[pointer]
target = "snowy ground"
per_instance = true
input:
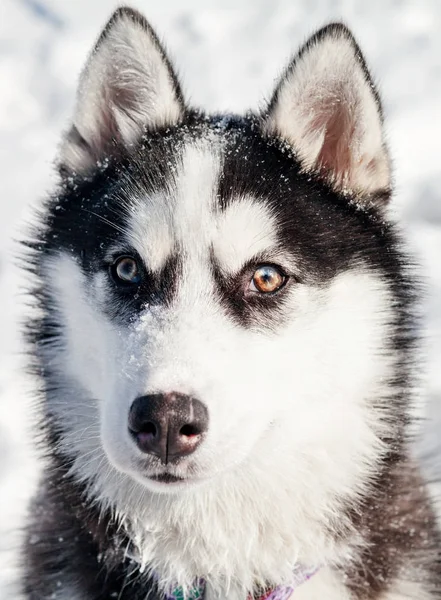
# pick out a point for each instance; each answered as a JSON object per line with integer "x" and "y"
{"x": 228, "y": 54}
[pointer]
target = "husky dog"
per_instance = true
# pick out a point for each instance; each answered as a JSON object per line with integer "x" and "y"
{"x": 226, "y": 343}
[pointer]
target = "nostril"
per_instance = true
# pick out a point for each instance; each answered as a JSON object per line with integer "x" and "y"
{"x": 149, "y": 428}
{"x": 189, "y": 430}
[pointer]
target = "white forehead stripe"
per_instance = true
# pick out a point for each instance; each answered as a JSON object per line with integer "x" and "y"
{"x": 245, "y": 229}
{"x": 150, "y": 230}
{"x": 197, "y": 183}
{"x": 181, "y": 216}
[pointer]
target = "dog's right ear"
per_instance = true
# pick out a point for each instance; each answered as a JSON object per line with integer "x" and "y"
{"x": 327, "y": 108}
{"x": 127, "y": 86}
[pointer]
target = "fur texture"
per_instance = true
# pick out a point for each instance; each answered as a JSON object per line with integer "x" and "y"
{"x": 309, "y": 389}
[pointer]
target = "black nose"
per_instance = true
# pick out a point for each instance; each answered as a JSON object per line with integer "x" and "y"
{"x": 169, "y": 426}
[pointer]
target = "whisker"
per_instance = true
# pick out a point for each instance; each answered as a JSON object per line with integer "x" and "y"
{"x": 105, "y": 220}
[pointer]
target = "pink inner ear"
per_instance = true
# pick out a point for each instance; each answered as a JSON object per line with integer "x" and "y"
{"x": 339, "y": 145}
{"x": 101, "y": 139}
{"x": 107, "y": 134}
{"x": 327, "y": 108}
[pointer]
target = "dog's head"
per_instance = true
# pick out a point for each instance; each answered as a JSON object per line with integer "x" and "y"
{"x": 222, "y": 294}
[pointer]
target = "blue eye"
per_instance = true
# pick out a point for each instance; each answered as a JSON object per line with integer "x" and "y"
{"x": 125, "y": 271}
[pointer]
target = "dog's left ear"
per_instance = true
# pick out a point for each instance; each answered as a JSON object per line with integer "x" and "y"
{"x": 327, "y": 108}
{"x": 127, "y": 87}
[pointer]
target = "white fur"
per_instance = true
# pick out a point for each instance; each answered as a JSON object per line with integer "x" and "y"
{"x": 125, "y": 87}
{"x": 293, "y": 427}
{"x": 326, "y": 96}
{"x": 244, "y": 230}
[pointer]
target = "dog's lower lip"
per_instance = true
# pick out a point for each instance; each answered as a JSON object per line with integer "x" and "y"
{"x": 167, "y": 478}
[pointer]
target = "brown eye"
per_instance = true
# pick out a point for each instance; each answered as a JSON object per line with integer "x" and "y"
{"x": 125, "y": 270}
{"x": 267, "y": 279}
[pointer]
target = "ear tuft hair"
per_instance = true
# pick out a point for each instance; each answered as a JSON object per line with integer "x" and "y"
{"x": 127, "y": 86}
{"x": 327, "y": 108}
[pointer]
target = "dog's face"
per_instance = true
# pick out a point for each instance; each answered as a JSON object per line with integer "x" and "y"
{"x": 219, "y": 286}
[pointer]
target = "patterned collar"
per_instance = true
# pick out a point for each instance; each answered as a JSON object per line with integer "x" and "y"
{"x": 278, "y": 593}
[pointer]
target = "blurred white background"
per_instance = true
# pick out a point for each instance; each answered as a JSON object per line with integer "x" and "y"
{"x": 228, "y": 55}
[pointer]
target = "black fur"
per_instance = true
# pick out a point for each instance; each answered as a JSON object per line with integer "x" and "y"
{"x": 71, "y": 541}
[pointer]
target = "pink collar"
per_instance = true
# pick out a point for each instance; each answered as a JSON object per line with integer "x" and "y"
{"x": 281, "y": 592}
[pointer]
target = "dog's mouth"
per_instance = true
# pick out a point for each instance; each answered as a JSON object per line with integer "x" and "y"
{"x": 163, "y": 476}
{"x": 167, "y": 478}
